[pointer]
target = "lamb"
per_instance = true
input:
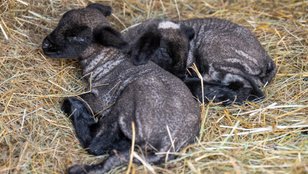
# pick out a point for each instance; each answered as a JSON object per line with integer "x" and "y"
{"x": 165, "y": 115}
{"x": 229, "y": 57}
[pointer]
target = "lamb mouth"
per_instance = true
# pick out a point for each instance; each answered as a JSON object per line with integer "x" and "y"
{"x": 47, "y": 52}
{"x": 52, "y": 54}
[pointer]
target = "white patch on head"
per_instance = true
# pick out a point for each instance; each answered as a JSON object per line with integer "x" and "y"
{"x": 168, "y": 24}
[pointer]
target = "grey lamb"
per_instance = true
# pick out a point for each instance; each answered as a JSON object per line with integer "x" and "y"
{"x": 165, "y": 115}
{"x": 229, "y": 57}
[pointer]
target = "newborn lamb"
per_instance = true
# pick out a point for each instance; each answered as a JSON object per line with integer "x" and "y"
{"x": 229, "y": 57}
{"x": 165, "y": 115}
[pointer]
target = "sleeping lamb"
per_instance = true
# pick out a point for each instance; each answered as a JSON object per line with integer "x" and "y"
{"x": 165, "y": 115}
{"x": 229, "y": 57}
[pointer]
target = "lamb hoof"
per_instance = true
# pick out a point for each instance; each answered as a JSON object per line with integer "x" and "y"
{"x": 67, "y": 106}
{"x": 72, "y": 104}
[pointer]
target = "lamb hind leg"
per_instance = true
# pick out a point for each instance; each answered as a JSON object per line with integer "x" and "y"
{"x": 103, "y": 167}
{"x": 235, "y": 92}
{"x": 82, "y": 119}
{"x": 212, "y": 91}
{"x": 119, "y": 159}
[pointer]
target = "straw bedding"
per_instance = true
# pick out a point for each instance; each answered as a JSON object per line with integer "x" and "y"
{"x": 263, "y": 137}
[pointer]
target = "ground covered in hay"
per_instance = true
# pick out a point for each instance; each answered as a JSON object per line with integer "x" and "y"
{"x": 264, "y": 137}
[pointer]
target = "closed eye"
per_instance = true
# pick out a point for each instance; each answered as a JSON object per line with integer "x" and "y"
{"x": 76, "y": 39}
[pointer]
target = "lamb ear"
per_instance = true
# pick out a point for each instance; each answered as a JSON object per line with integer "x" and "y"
{"x": 142, "y": 50}
{"x": 189, "y": 31}
{"x": 109, "y": 37}
{"x": 106, "y": 10}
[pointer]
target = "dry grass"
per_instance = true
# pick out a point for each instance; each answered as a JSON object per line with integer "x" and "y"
{"x": 264, "y": 137}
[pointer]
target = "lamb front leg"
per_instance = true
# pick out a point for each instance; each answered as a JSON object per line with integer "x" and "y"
{"x": 98, "y": 137}
{"x": 82, "y": 119}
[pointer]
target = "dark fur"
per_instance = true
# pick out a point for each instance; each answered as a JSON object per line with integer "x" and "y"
{"x": 215, "y": 42}
{"x": 147, "y": 95}
{"x": 170, "y": 46}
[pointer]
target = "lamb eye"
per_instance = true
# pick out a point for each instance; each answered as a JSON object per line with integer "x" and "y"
{"x": 76, "y": 39}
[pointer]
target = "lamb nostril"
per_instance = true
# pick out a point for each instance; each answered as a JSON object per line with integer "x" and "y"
{"x": 45, "y": 45}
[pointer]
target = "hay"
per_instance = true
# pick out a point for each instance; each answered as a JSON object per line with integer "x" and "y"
{"x": 263, "y": 137}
